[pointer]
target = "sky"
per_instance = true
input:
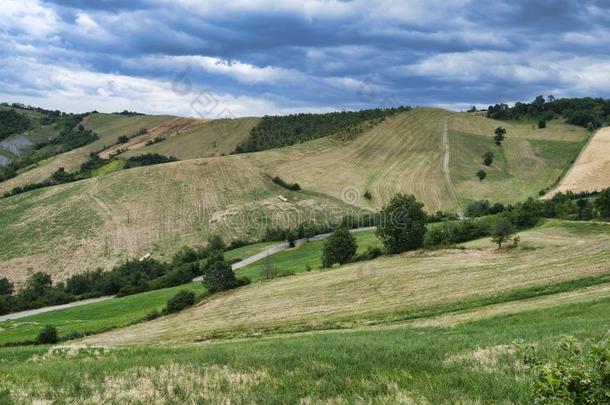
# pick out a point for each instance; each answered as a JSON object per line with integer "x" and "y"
{"x": 232, "y": 58}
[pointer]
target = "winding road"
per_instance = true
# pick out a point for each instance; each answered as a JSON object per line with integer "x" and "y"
{"x": 243, "y": 263}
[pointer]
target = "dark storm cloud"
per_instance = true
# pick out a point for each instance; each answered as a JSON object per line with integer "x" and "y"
{"x": 310, "y": 54}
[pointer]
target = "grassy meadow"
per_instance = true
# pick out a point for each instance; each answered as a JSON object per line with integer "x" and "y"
{"x": 473, "y": 362}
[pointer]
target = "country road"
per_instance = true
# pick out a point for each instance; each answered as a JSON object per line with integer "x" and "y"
{"x": 243, "y": 263}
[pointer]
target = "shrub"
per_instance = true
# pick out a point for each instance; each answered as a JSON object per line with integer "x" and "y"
{"x": 122, "y": 139}
{"x": 287, "y": 186}
{"x": 148, "y": 159}
{"x": 602, "y": 204}
{"x": 340, "y": 247}
{"x": 578, "y": 374}
{"x": 218, "y": 275}
{"x": 541, "y": 124}
{"x": 403, "y": 224}
{"x": 183, "y": 299}
{"x": 371, "y": 253}
{"x": 367, "y": 195}
{"x": 488, "y": 158}
{"x": 481, "y": 174}
{"x": 477, "y": 208}
{"x": 450, "y": 233}
{"x": 47, "y": 335}
{"x": 6, "y": 287}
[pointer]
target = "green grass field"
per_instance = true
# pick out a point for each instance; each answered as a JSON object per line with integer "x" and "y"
{"x": 469, "y": 363}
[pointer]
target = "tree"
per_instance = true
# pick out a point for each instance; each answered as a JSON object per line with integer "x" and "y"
{"x": 47, "y": 335}
{"x": 218, "y": 274}
{"x": 477, "y": 208}
{"x": 499, "y": 135}
{"x": 502, "y": 231}
{"x": 340, "y": 247}
{"x": 6, "y": 287}
{"x": 122, "y": 139}
{"x": 488, "y": 158}
{"x": 481, "y": 174}
{"x": 216, "y": 244}
{"x": 291, "y": 237}
{"x": 542, "y": 124}
{"x": 602, "y": 204}
{"x": 403, "y": 224}
{"x": 183, "y": 299}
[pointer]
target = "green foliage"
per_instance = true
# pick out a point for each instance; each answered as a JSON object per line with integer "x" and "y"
{"x": 6, "y": 287}
{"x": 287, "y": 186}
{"x": 148, "y": 160}
{"x": 367, "y": 194}
{"x": 403, "y": 224}
{"x": 340, "y": 247}
{"x": 585, "y": 112}
{"x": 541, "y": 124}
{"x": 277, "y": 131}
{"x": 218, "y": 275}
{"x": 602, "y": 204}
{"x": 481, "y": 174}
{"x": 47, "y": 335}
{"x": 12, "y": 122}
{"x": 452, "y": 232}
{"x": 502, "y": 231}
{"x": 499, "y": 135}
{"x": 183, "y": 299}
{"x": 488, "y": 158}
{"x": 579, "y": 373}
{"x": 122, "y": 139}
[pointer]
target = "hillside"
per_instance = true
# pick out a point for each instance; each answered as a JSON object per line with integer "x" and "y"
{"x": 393, "y": 288}
{"x": 431, "y": 153}
{"x": 98, "y": 222}
{"x": 591, "y": 171}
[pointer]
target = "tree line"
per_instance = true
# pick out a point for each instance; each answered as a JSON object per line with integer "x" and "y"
{"x": 588, "y": 112}
{"x": 277, "y": 131}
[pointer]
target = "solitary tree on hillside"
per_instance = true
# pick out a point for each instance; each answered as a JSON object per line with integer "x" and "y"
{"x": 403, "y": 224}
{"x": 340, "y": 247}
{"x": 502, "y": 231}
{"x": 481, "y": 174}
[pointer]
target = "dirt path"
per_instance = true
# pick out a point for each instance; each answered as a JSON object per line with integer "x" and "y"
{"x": 445, "y": 167}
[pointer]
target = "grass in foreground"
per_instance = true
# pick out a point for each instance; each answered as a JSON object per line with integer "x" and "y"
{"x": 469, "y": 363}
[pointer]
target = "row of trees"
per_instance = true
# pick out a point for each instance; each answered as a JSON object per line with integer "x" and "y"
{"x": 131, "y": 277}
{"x": 277, "y": 131}
{"x": 568, "y": 206}
{"x": 585, "y": 112}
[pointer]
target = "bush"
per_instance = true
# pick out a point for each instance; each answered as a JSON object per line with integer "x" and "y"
{"x": 287, "y": 186}
{"x": 183, "y": 299}
{"x": 602, "y": 204}
{"x": 371, "y": 253}
{"x": 367, "y": 195}
{"x": 152, "y": 315}
{"x": 403, "y": 224}
{"x": 488, "y": 158}
{"x": 541, "y": 124}
{"x": 122, "y": 139}
{"x": 578, "y": 374}
{"x": 47, "y": 335}
{"x": 218, "y": 275}
{"x": 451, "y": 233}
{"x": 340, "y": 247}
{"x": 481, "y": 174}
{"x": 148, "y": 159}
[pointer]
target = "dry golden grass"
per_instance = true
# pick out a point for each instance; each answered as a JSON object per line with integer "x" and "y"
{"x": 100, "y": 221}
{"x": 591, "y": 172}
{"x": 165, "y": 130}
{"x": 362, "y": 292}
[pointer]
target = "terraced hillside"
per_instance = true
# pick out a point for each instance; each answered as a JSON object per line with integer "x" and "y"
{"x": 392, "y": 288}
{"x": 97, "y": 222}
{"x": 107, "y": 126}
{"x": 433, "y": 154}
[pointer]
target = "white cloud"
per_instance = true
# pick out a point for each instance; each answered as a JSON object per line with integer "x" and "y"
{"x": 29, "y": 18}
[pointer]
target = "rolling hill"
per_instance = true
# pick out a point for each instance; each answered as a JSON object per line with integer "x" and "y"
{"x": 431, "y": 153}
{"x": 395, "y": 288}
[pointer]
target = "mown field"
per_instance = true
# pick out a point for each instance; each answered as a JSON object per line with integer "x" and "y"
{"x": 552, "y": 259}
{"x": 473, "y": 362}
{"x": 121, "y": 214}
{"x": 156, "y": 209}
